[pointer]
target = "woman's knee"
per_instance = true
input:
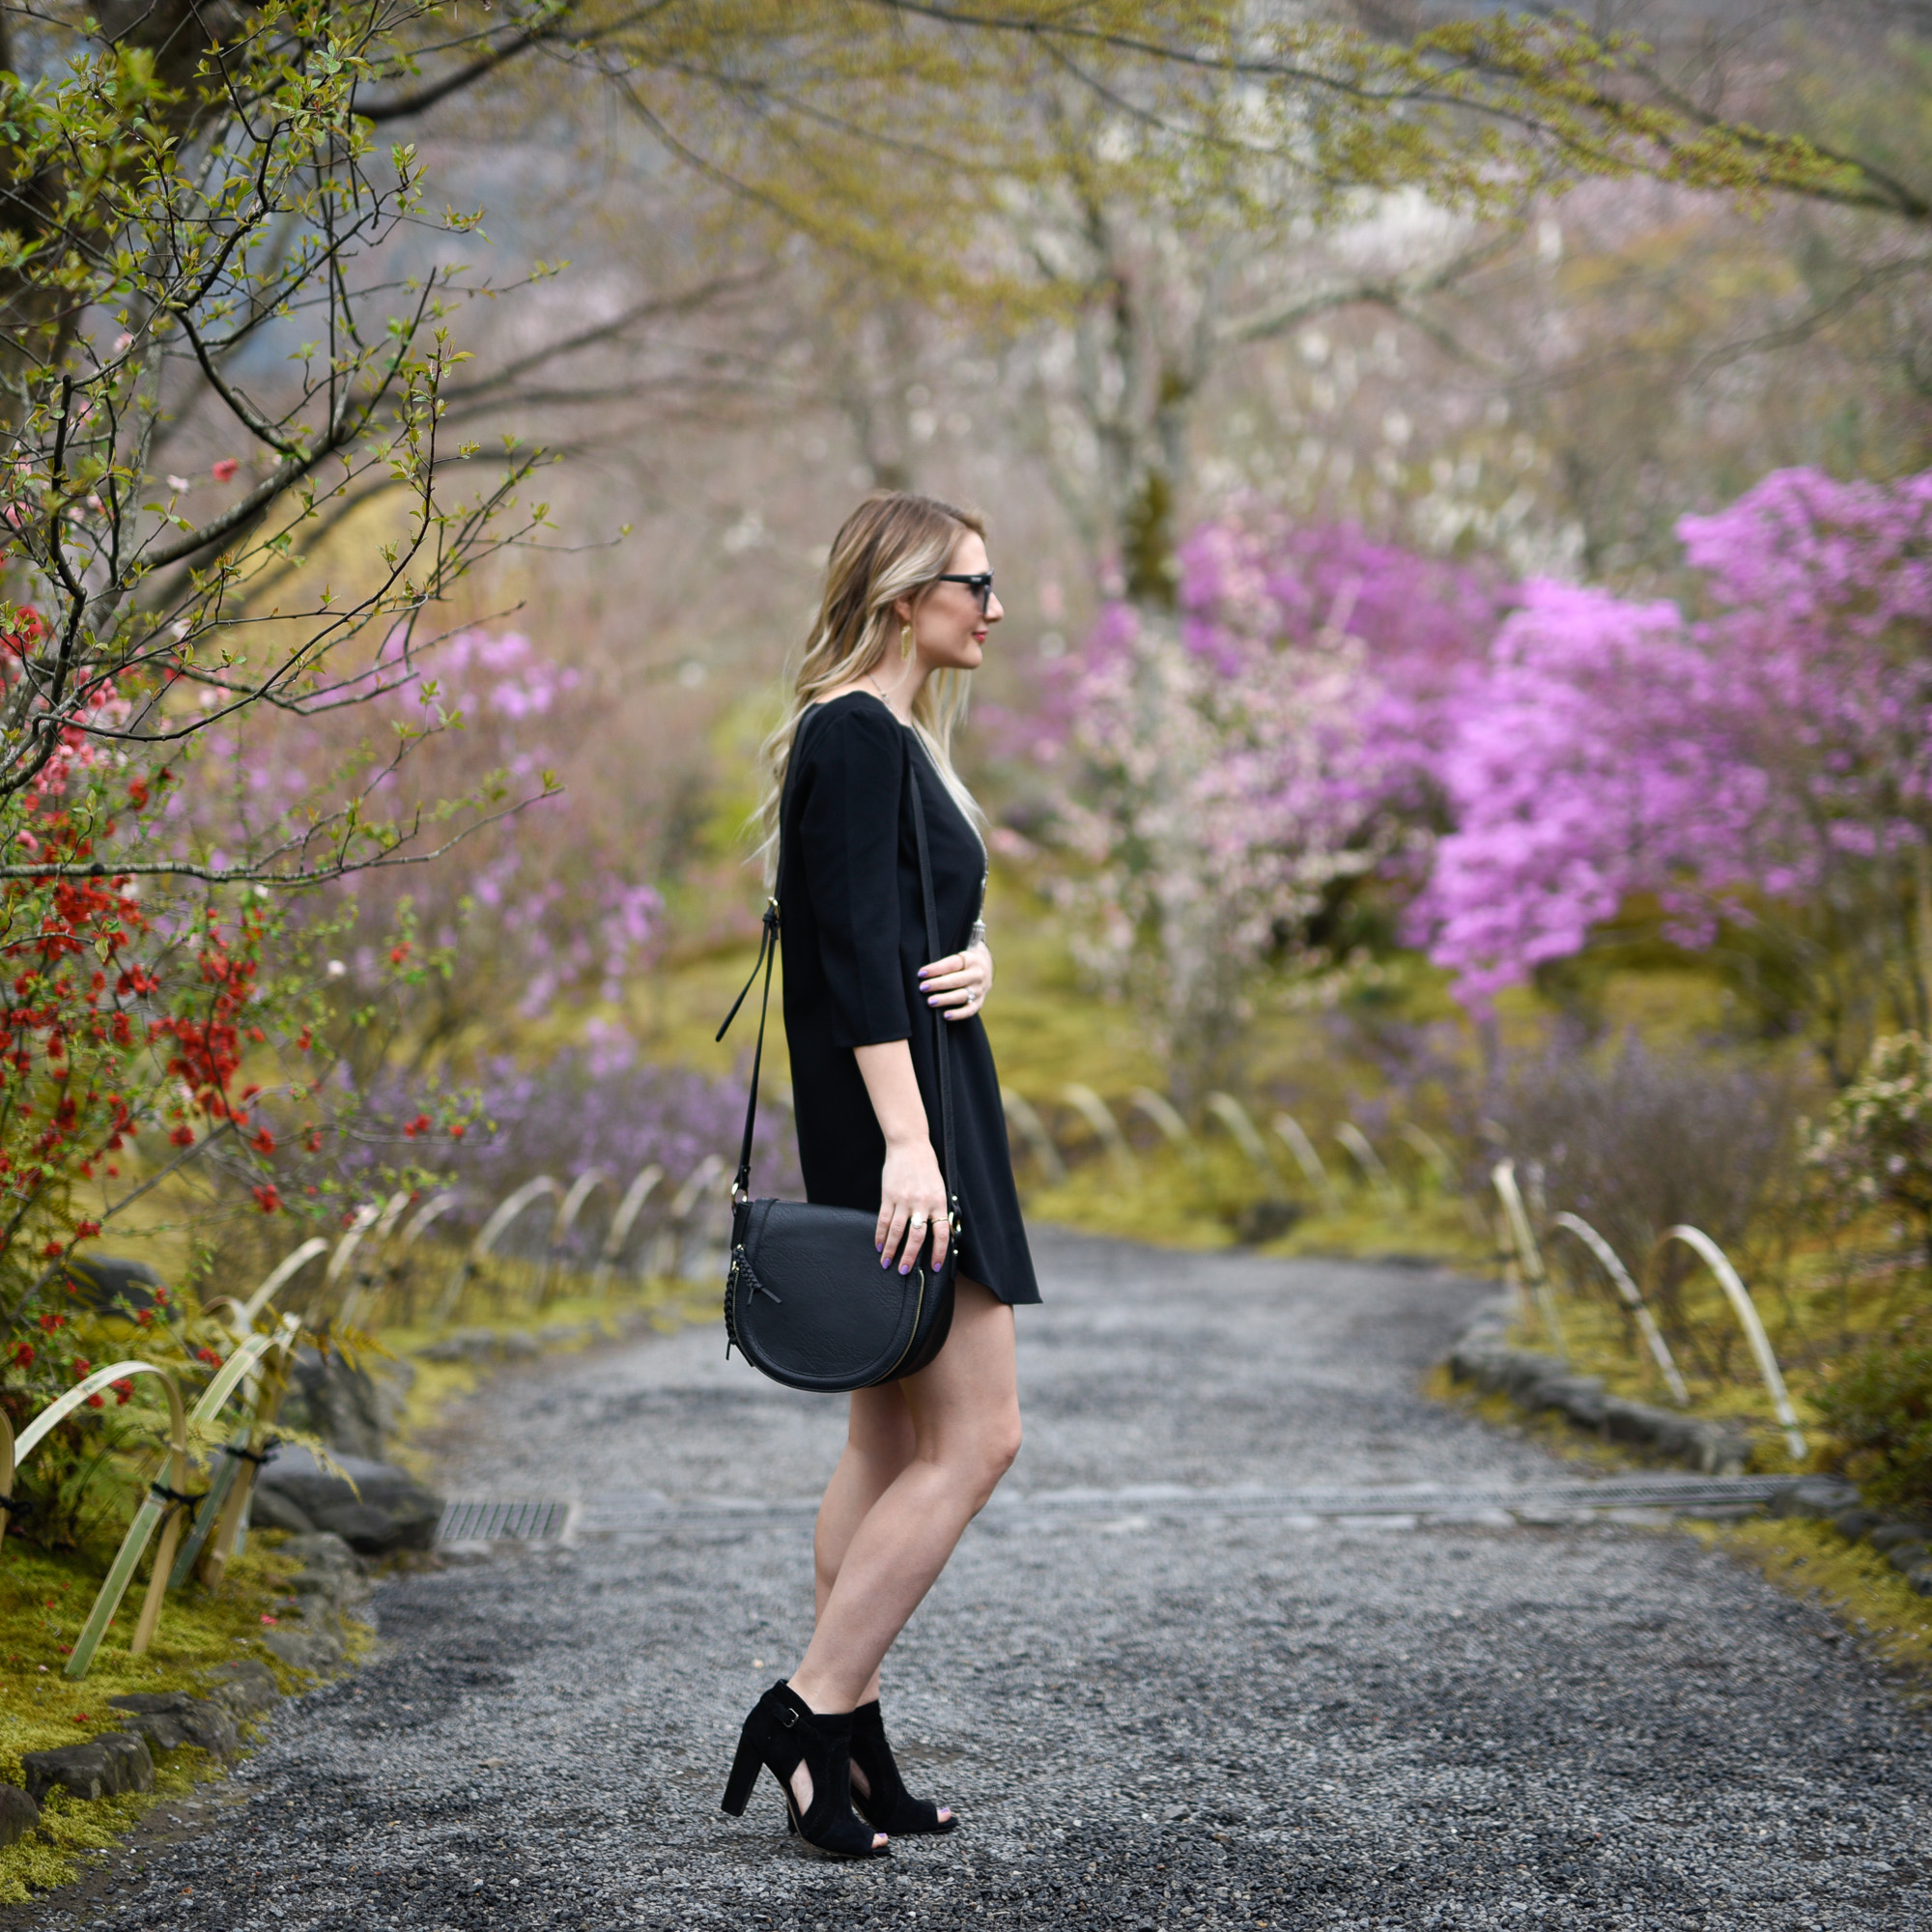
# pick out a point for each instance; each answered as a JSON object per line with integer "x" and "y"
{"x": 989, "y": 1454}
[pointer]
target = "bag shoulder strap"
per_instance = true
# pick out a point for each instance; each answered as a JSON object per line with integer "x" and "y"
{"x": 768, "y": 949}
{"x": 941, "y": 1045}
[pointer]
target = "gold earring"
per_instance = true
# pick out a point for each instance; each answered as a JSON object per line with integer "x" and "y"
{"x": 905, "y": 643}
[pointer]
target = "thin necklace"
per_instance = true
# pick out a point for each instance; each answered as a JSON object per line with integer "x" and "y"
{"x": 883, "y": 699}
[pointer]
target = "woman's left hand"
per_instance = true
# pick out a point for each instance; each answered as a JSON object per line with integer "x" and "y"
{"x": 958, "y": 985}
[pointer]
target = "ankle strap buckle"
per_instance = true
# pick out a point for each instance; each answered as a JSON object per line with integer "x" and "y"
{"x": 787, "y": 1716}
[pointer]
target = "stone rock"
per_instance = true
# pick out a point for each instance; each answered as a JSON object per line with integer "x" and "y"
{"x": 1856, "y": 1523}
{"x": 170, "y": 1720}
{"x": 1920, "y": 1576}
{"x": 1895, "y": 1535}
{"x": 246, "y": 1687}
{"x": 323, "y": 1549}
{"x": 19, "y": 1815}
{"x": 319, "y": 1650}
{"x": 271, "y": 1509}
{"x": 376, "y": 1508}
{"x": 106, "y": 1765}
{"x": 112, "y": 1286}
{"x": 1259, "y": 1222}
{"x": 352, "y": 1408}
{"x": 1815, "y": 1497}
{"x": 519, "y": 1347}
{"x": 1905, "y": 1557}
{"x": 465, "y": 1344}
{"x": 134, "y": 1763}
{"x": 1536, "y": 1382}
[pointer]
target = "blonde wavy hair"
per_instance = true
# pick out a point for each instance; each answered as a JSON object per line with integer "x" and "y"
{"x": 894, "y": 545}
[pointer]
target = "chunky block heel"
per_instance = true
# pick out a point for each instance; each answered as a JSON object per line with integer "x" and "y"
{"x": 745, "y": 1769}
{"x": 886, "y": 1805}
{"x": 782, "y": 1732}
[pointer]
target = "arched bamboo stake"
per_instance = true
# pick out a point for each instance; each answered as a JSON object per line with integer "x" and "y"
{"x": 1428, "y": 1150}
{"x": 1633, "y": 1299}
{"x": 1528, "y": 1255}
{"x": 400, "y": 1269}
{"x": 1233, "y": 1116}
{"x": 153, "y": 1509}
{"x": 1022, "y": 1113}
{"x": 285, "y": 1271}
{"x": 225, "y": 1473}
{"x": 1091, "y": 1109}
{"x": 1746, "y": 1310}
{"x": 428, "y": 1214}
{"x": 683, "y": 1205}
{"x": 582, "y": 1189}
{"x": 618, "y": 1232}
{"x": 1313, "y": 1168}
{"x": 1173, "y": 1129}
{"x": 271, "y": 1386}
{"x": 492, "y": 1230}
{"x": 376, "y": 1228}
{"x": 1370, "y": 1162}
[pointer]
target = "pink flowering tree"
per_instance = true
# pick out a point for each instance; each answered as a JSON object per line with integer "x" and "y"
{"x": 1224, "y": 782}
{"x": 1761, "y": 765}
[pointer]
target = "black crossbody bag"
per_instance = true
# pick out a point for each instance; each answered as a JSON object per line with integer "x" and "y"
{"x": 806, "y": 1300}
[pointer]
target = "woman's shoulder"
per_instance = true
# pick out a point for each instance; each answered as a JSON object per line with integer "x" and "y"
{"x": 854, "y": 717}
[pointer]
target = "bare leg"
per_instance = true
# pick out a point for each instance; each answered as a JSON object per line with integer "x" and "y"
{"x": 879, "y": 1444}
{"x": 964, "y": 1412}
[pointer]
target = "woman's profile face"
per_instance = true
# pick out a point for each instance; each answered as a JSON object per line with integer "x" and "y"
{"x": 948, "y": 625}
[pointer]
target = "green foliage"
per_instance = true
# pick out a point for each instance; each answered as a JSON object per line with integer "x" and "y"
{"x": 1879, "y": 1409}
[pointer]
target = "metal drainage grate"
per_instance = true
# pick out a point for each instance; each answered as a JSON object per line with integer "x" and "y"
{"x": 478, "y": 1520}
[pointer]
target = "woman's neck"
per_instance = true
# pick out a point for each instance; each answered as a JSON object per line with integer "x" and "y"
{"x": 898, "y": 696}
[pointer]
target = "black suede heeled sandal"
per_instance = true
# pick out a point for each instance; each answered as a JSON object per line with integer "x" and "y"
{"x": 886, "y": 1802}
{"x": 782, "y": 1732}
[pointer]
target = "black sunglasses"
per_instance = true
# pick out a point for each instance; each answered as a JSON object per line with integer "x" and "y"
{"x": 980, "y": 583}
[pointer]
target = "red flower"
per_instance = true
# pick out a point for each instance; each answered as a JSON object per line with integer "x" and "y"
{"x": 398, "y": 953}
{"x": 96, "y": 1401}
{"x": 182, "y": 1136}
{"x": 224, "y": 471}
{"x": 267, "y": 1199}
{"x": 82, "y": 1367}
{"x": 208, "y": 1356}
{"x": 52, "y": 1251}
{"x": 23, "y": 1354}
{"x": 123, "y": 1389}
{"x": 83, "y": 1229}
{"x": 456, "y": 1132}
{"x": 263, "y": 1142}
{"x": 417, "y": 1127}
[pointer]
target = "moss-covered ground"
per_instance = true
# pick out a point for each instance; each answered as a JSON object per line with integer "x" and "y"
{"x": 43, "y": 1599}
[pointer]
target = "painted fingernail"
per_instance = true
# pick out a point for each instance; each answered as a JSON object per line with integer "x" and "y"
{"x": 905, "y": 1267}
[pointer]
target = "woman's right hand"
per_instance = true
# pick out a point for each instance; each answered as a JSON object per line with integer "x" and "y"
{"x": 912, "y": 1199}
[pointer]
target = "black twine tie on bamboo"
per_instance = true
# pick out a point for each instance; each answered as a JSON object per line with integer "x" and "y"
{"x": 179, "y": 1498}
{"x": 260, "y": 1457}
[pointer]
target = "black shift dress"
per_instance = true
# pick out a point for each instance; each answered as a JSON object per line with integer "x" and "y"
{"x": 853, "y": 933}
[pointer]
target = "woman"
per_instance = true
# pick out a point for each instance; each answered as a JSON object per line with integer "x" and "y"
{"x": 908, "y": 604}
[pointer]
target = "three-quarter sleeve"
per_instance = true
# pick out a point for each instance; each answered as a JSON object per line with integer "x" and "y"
{"x": 849, "y": 833}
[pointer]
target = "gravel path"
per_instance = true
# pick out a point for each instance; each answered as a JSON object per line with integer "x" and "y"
{"x": 1224, "y": 1721}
